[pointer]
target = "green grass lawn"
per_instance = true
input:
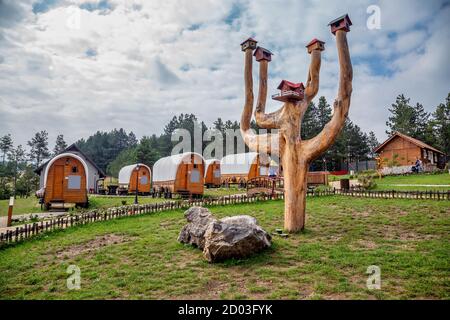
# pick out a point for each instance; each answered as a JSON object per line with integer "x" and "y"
{"x": 443, "y": 178}
{"x": 31, "y": 204}
{"x": 389, "y": 182}
{"x": 139, "y": 257}
{"x": 219, "y": 192}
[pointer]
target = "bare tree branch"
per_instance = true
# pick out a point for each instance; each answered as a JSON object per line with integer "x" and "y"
{"x": 317, "y": 145}
{"x": 263, "y": 120}
{"x": 312, "y": 84}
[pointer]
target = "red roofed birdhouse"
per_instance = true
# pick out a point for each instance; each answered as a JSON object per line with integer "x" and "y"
{"x": 289, "y": 91}
{"x": 341, "y": 23}
{"x": 315, "y": 44}
{"x": 249, "y": 44}
{"x": 263, "y": 54}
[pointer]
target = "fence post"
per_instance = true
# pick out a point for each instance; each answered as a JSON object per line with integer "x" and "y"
{"x": 10, "y": 211}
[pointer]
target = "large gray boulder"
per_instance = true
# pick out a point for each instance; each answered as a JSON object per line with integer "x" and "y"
{"x": 193, "y": 233}
{"x": 230, "y": 237}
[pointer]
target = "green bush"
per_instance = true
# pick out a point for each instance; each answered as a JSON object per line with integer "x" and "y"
{"x": 367, "y": 181}
{"x": 5, "y": 192}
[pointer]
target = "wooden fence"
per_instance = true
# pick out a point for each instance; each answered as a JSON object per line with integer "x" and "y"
{"x": 26, "y": 231}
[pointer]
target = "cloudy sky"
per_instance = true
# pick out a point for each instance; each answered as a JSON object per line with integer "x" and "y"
{"x": 76, "y": 66}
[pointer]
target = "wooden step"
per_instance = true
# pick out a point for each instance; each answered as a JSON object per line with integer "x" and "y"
{"x": 62, "y": 205}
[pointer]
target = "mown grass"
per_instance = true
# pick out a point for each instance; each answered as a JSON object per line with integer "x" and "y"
{"x": 31, "y": 204}
{"x": 389, "y": 182}
{"x": 407, "y": 239}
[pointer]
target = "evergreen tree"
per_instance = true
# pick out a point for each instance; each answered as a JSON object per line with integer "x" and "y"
{"x": 372, "y": 142}
{"x": 441, "y": 125}
{"x": 324, "y": 112}
{"x": 147, "y": 151}
{"x": 6, "y": 145}
{"x": 39, "y": 147}
{"x": 310, "y": 125}
{"x": 403, "y": 117}
{"x": 16, "y": 159}
{"x": 60, "y": 145}
{"x": 104, "y": 147}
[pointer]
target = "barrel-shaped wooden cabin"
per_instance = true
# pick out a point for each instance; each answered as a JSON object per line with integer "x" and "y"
{"x": 212, "y": 173}
{"x": 67, "y": 178}
{"x": 180, "y": 173}
{"x": 135, "y": 177}
{"x": 241, "y": 167}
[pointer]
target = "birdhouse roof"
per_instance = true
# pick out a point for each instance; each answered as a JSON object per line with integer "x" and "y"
{"x": 291, "y": 84}
{"x": 249, "y": 39}
{"x": 341, "y": 18}
{"x": 263, "y": 49}
{"x": 314, "y": 41}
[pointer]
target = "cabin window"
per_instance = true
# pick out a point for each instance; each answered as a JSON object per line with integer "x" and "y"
{"x": 144, "y": 180}
{"x": 74, "y": 182}
{"x": 74, "y": 169}
{"x": 216, "y": 173}
{"x": 195, "y": 176}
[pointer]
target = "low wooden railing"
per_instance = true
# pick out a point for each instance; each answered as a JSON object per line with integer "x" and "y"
{"x": 27, "y": 231}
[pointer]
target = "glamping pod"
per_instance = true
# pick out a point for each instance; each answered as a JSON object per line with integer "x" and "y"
{"x": 239, "y": 168}
{"x": 212, "y": 173}
{"x": 66, "y": 179}
{"x": 135, "y": 177}
{"x": 180, "y": 173}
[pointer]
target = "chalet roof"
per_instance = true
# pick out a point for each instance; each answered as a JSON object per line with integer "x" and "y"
{"x": 414, "y": 141}
{"x": 249, "y": 39}
{"x": 340, "y": 18}
{"x": 241, "y": 163}
{"x": 263, "y": 49}
{"x": 290, "y": 84}
{"x": 73, "y": 147}
{"x": 314, "y": 41}
{"x": 125, "y": 172}
{"x": 165, "y": 169}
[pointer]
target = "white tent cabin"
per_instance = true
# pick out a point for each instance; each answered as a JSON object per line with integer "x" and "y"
{"x": 212, "y": 173}
{"x": 241, "y": 167}
{"x": 135, "y": 176}
{"x": 180, "y": 173}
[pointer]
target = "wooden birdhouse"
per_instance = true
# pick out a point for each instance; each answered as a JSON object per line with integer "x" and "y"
{"x": 262, "y": 54}
{"x": 341, "y": 23}
{"x": 315, "y": 44}
{"x": 289, "y": 91}
{"x": 250, "y": 43}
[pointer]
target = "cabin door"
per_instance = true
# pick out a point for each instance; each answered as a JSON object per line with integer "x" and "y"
{"x": 193, "y": 173}
{"x": 58, "y": 182}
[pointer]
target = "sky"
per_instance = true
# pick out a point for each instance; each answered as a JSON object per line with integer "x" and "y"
{"x": 73, "y": 67}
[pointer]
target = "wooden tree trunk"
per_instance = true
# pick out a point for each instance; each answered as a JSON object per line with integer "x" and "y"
{"x": 295, "y": 172}
{"x": 296, "y": 154}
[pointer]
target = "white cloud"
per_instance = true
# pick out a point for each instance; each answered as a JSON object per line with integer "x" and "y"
{"x": 137, "y": 63}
